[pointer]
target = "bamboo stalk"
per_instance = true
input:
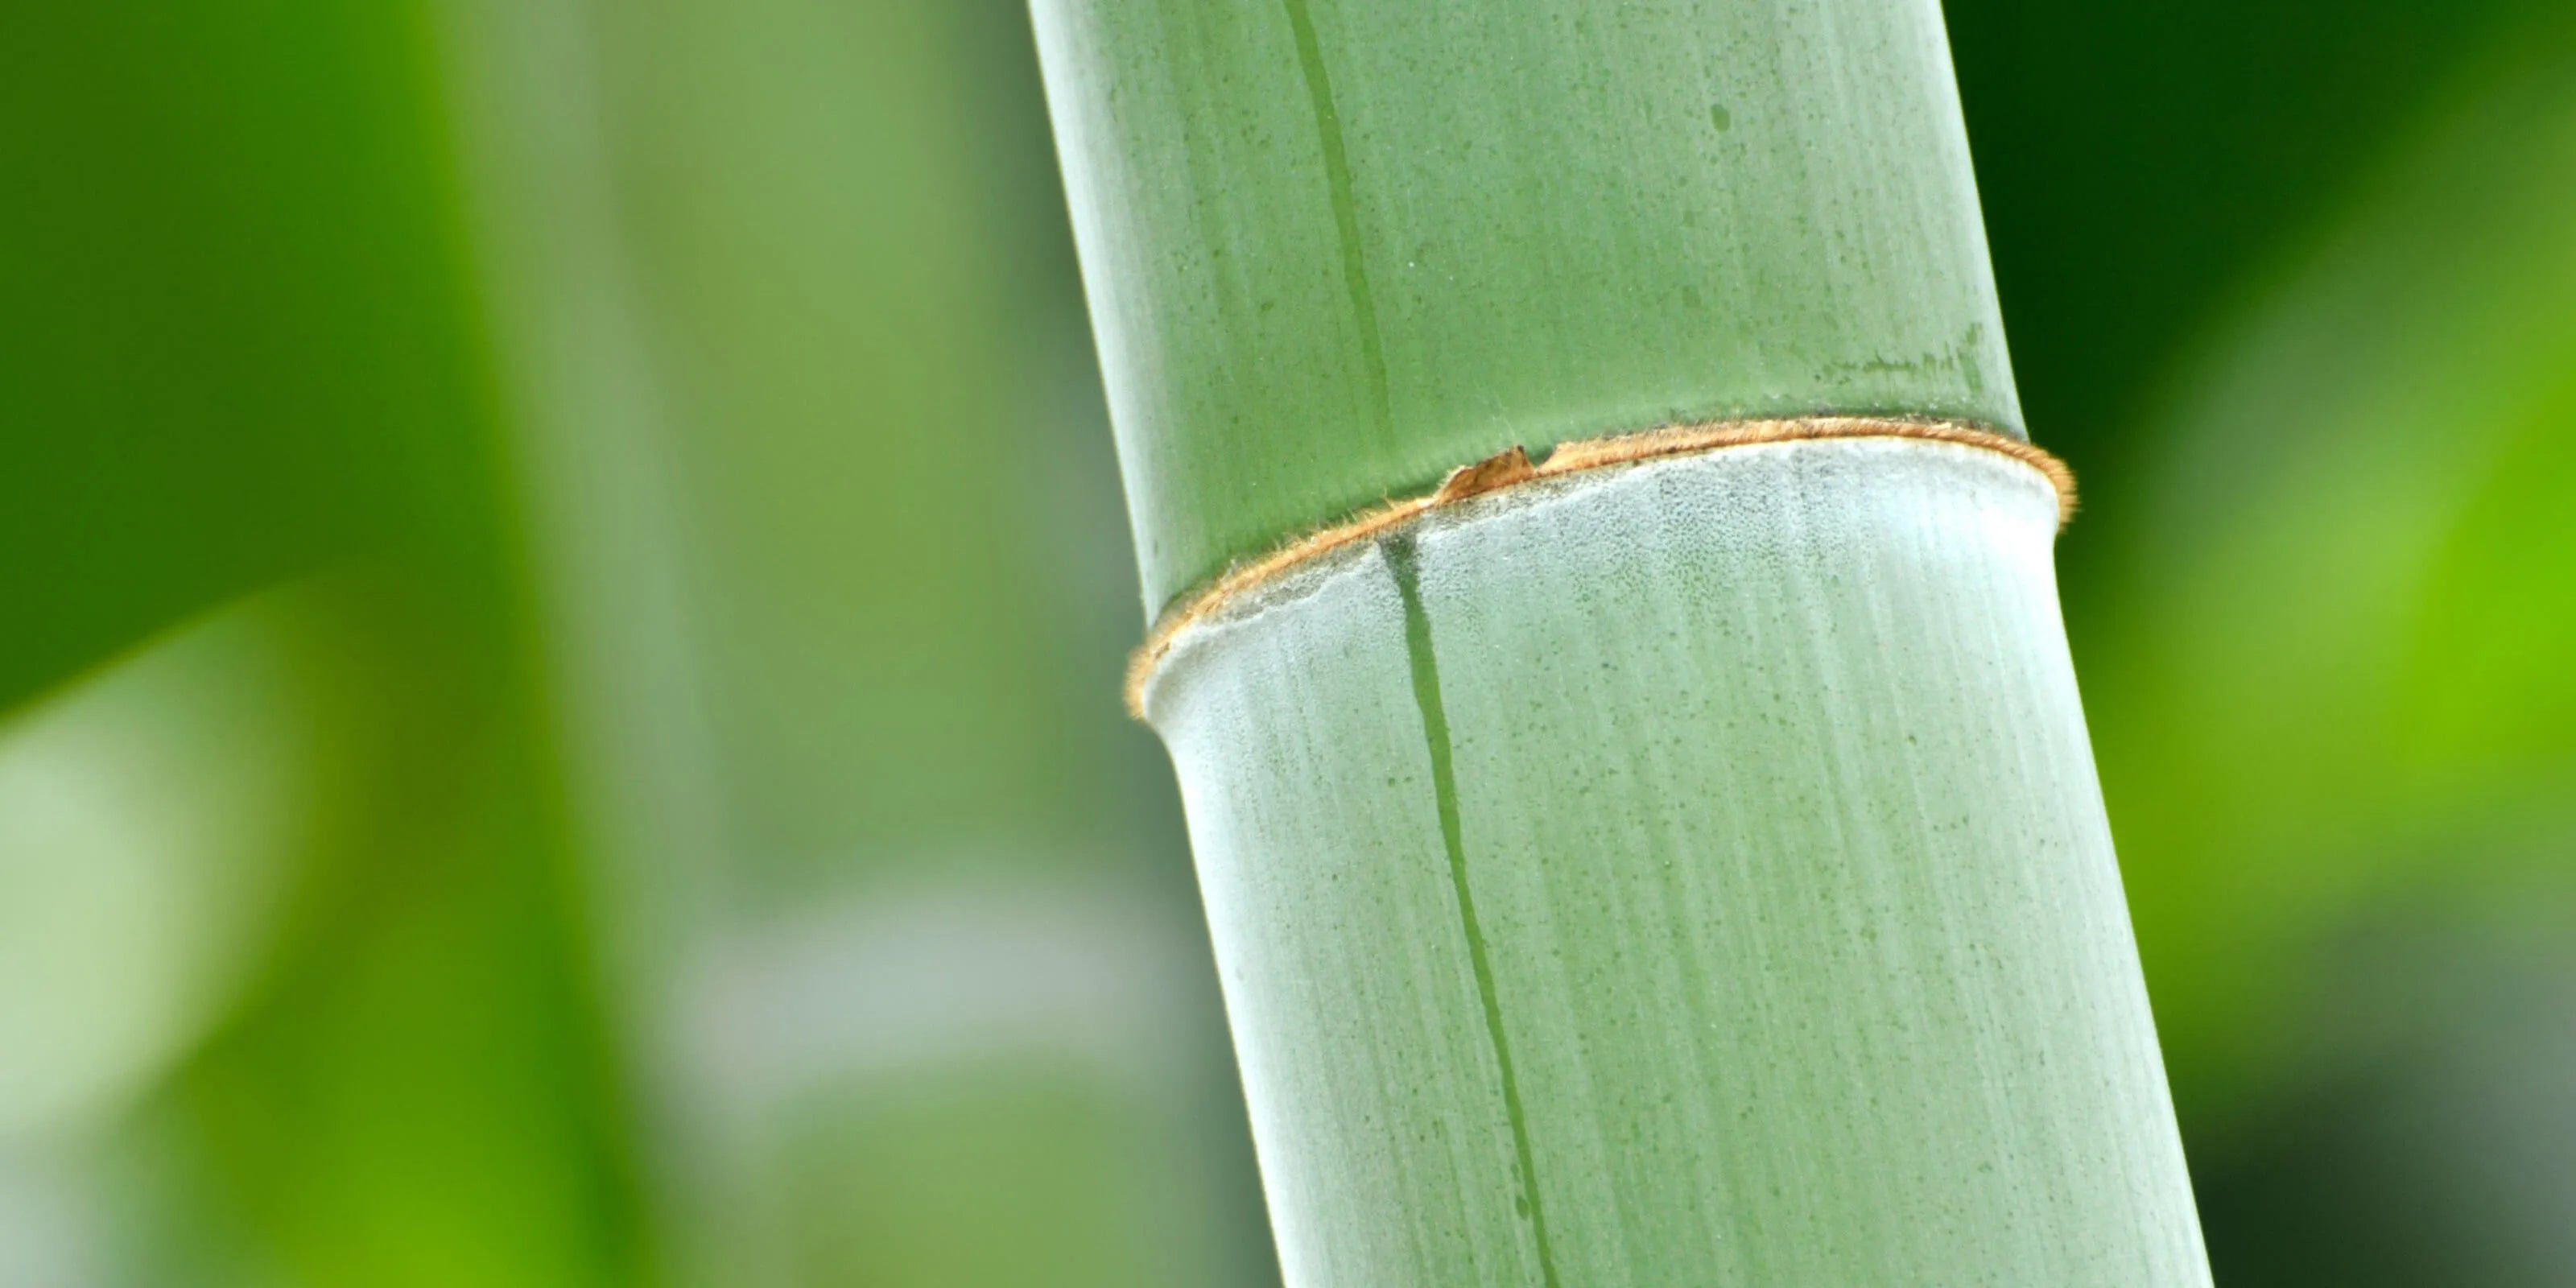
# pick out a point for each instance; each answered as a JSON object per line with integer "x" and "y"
{"x": 1686, "y": 870}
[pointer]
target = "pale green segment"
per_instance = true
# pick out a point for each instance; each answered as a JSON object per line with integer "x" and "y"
{"x": 1334, "y": 249}
{"x": 1775, "y": 808}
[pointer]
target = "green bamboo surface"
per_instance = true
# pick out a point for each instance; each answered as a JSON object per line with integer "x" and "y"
{"x": 1687, "y": 872}
{"x": 1334, "y": 250}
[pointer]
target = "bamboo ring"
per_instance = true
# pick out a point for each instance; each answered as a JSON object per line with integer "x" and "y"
{"x": 1512, "y": 467}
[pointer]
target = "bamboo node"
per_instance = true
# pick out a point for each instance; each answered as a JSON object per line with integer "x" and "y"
{"x": 1511, "y": 467}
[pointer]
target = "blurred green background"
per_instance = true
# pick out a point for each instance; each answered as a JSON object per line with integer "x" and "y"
{"x": 565, "y": 581}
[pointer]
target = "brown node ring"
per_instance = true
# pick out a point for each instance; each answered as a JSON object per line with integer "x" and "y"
{"x": 1512, "y": 467}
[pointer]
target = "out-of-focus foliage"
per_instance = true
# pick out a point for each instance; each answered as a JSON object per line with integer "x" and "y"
{"x": 236, "y": 339}
{"x": 2339, "y": 665}
{"x": 300, "y": 844}
{"x": 154, "y": 819}
{"x": 322, "y": 582}
{"x": 2336, "y": 717}
{"x": 2141, "y": 160}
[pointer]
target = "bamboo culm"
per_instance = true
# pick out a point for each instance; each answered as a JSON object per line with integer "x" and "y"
{"x": 1689, "y": 870}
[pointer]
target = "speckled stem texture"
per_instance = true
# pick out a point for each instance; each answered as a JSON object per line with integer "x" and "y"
{"x": 1690, "y": 872}
{"x": 1336, "y": 248}
{"x": 1684, "y": 871}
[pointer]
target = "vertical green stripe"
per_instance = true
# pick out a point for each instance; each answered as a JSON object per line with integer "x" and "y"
{"x": 1346, "y": 216}
{"x": 1444, "y": 786}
